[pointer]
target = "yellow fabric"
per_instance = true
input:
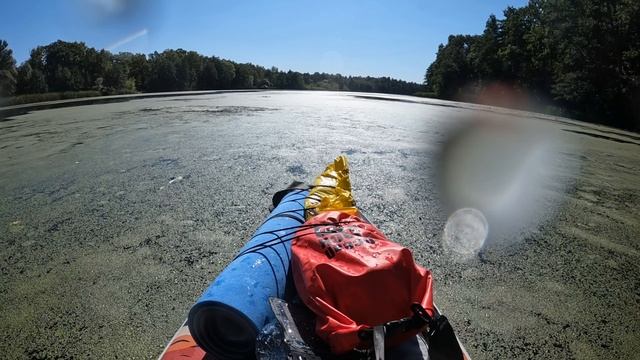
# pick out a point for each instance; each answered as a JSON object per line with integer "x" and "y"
{"x": 332, "y": 190}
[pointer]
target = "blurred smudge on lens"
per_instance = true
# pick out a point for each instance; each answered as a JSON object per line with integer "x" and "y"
{"x": 507, "y": 169}
{"x": 465, "y": 232}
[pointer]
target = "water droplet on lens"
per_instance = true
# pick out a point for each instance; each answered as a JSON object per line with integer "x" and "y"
{"x": 465, "y": 232}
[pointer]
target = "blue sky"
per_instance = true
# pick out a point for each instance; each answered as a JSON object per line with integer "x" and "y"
{"x": 390, "y": 38}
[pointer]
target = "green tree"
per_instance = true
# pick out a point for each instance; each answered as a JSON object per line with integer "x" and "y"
{"x": 163, "y": 73}
{"x": 65, "y": 66}
{"x": 116, "y": 76}
{"x": 38, "y": 58}
{"x": 188, "y": 66}
{"x": 294, "y": 80}
{"x": 30, "y": 81}
{"x": 597, "y": 70}
{"x": 226, "y": 73}
{"x": 244, "y": 76}
{"x": 8, "y": 72}
{"x": 483, "y": 56}
{"x": 72, "y": 66}
{"x": 138, "y": 67}
{"x": 453, "y": 69}
{"x": 208, "y": 78}
{"x": 582, "y": 55}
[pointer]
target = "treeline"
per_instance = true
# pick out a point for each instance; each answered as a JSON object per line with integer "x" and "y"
{"x": 579, "y": 55}
{"x": 72, "y": 67}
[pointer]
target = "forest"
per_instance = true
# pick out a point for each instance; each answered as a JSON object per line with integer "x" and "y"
{"x": 74, "y": 68}
{"x": 578, "y": 58}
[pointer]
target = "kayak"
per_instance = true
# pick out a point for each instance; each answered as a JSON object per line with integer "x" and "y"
{"x": 182, "y": 346}
{"x": 270, "y": 302}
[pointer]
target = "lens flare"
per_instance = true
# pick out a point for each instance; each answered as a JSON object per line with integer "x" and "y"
{"x": 510, "y": 170}
{"x": 465, "y": 232}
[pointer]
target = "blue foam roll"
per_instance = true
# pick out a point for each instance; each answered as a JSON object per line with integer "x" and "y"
{"x": 225, "y": 321}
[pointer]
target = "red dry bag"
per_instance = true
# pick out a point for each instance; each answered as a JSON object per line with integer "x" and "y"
{"x": 353, "y": 278}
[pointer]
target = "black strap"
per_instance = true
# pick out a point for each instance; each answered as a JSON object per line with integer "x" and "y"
{"x": 437, "y": 331}
{"x": 296, "y": 185}
{"x": 442, "y": 340}
{"x": 419, "y": 320}
{"x": 287, "y": 215}
{"x": 278, "y": 196}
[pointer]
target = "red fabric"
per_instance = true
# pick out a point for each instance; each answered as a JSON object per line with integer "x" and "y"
{"x": 352, "y": 277}
{"x": 184, "y": 347}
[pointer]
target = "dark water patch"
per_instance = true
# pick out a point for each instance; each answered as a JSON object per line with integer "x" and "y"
{"x": 214, "y": 110}
{"x": 10, "y": 114}
{"x": 3, "y": 119}
{"x": 7, "y": 114}
{"x": 576, "y": 157}
{"x": 297, "y": 170}
{"x": 405, "y": 154}
{"x": 352, "y": 151}
{"x": 382, "y": 152}
{"x": 600, "y": 136}
{"x": 56, "y": 225}
{"x": 228, "y": 110}
{"x": 57, "y": 193}
{"x": 10, "y": 128}
{"x": 370, "y": 97}
{"x": 631, "y": 136}
{"x": 68, "y": 148}
{"x": 39, "y": 134}
{"x": 183, "y": 99}
{"x": 165, "y": 162}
